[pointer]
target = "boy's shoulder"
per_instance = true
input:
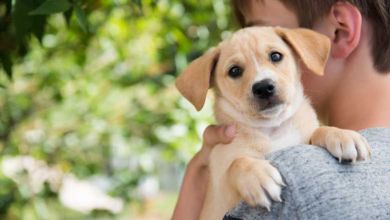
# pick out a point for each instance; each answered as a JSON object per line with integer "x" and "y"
{"x": 319, "y": 187}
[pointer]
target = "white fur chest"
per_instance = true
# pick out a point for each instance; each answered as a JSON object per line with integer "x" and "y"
{"x": 284, "y": 137}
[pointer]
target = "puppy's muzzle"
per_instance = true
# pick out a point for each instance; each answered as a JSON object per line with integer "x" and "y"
{"x": 265, "y": 94}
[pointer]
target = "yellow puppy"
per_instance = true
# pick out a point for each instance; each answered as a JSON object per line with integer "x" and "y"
{"x": 256, "y": 75}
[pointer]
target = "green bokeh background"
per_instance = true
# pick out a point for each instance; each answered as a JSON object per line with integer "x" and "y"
{"x": 92, "y": 93}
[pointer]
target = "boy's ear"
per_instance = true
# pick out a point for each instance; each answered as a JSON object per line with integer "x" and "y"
{"x": 195, "y": 80}
{"x": 346, "y": 23}
{"x": 311, "y": 47}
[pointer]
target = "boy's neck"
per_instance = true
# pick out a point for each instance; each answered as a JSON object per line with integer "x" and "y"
{"x": 362, "y": 98}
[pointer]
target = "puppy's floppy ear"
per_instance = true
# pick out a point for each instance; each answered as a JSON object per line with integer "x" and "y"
{"x": 312, "y": 48}
{"x": 195, "y": 80}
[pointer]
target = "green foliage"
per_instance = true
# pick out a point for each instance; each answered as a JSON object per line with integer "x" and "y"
{"x": 22, "y": 19}
{"x": 51, "y": 6}
{"x": 92, "y": 93}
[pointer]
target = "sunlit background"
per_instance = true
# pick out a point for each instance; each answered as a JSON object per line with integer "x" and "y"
{"x": 91, "y": 125}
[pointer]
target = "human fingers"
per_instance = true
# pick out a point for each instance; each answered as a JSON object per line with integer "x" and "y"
{"x": 218, "y": 134}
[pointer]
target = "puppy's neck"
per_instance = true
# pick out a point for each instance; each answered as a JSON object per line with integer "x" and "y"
{"x": 299, "y": 123}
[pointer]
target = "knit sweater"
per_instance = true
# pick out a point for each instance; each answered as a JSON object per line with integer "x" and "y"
{"x": 319, "y": 187}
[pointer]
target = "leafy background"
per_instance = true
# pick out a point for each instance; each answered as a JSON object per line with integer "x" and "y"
{"x": 87, "y": 88}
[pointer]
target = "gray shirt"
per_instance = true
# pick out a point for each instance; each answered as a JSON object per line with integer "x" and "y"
{"x": 319, "y": 187}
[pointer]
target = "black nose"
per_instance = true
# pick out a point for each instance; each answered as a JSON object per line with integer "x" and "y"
{"x": 264, "y": 89}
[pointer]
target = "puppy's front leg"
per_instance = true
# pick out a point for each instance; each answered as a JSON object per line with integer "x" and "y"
{"x": 255, "y": 180}
{"x": 341, "y": 143}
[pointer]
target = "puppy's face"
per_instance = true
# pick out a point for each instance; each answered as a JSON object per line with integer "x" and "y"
{"x": 256, "y": 74}
{"x": 256, "y": 77}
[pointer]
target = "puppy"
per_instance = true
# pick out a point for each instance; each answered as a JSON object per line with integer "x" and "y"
{"x": 255, "y": 75}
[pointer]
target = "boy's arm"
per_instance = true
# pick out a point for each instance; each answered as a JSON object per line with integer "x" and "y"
{"x": 193, "y": 190}
{"x": 194, "y": 186}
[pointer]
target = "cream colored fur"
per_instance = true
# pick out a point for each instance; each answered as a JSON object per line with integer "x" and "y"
{"x": 239, "y": 170}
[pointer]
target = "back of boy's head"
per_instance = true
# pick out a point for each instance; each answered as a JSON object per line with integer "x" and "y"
{"x": 377, "y": 12}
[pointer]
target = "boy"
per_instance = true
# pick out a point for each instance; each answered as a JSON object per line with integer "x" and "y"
{"x": 353, "y": 94}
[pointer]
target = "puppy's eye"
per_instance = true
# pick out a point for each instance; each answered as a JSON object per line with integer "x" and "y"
{"x": 235, "y": 71}
{"x": 275, "y": 57}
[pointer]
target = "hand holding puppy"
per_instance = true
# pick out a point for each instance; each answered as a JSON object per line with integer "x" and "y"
{"x": 194, "y": 186}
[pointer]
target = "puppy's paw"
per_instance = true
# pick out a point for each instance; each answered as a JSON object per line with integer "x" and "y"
{"x": 343, "y": 144}
{"x": 256, "y": 181}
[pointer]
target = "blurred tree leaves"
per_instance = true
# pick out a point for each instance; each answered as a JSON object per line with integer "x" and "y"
{"x": 6, "y": 63}
{"x": 25, "y": 18}
{"x": 51, "y": 6}
{"x": 93, "y": 90}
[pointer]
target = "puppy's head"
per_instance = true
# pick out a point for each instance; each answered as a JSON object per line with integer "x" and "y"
{"x": 256, "y": 72}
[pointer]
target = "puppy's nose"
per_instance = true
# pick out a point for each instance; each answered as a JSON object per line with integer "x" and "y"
{"x": 264, "y": 89}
